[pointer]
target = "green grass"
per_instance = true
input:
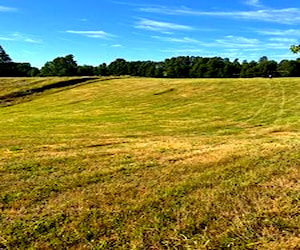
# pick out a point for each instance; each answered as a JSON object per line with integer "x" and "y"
{"x": 141, "y": 163}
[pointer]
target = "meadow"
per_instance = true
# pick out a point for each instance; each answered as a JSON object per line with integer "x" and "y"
{"x": 141, "y": 163}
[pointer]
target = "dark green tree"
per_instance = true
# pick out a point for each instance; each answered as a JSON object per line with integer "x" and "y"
{"x": 22, "y": 69}
{"x": 34, "y": 71}
{"x": 86, "y": 70}
{"x": 295, "y": 48}
{"x": 236, "y": 70}
{"x": 285, "y": 68}
{"x": 4, "y": 57}
{"x": 118, "y": 67}
{"x": 288, "y": 68}
{"x": 178, "y": 67}
{"x": 102, "y": 70}
{"x": 199, "y": 67}
{"x": 215, "y": 67}
{"x": 60, "y": 66}
{"x": 248, "y": 69}
{"x": 266, "y": 67}
{"x": 159, "y": 69}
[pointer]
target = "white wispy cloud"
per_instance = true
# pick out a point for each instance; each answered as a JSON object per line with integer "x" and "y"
{"x": 168, "y": 11}
{"x": 183, "y": 50}
{"x": 2, "y": 38}
{"x": 254, "y": 3}
{"x": 93, "y": 34}
{"x": 224, "y": 43}
{"x": 288, "y": 32}
{"x": 228, "y": 46}
{"x": 164, "y": 27}
{"x": 252, "y": 54}
{"x": 20, "y": 37}
{"x": 7, "y": 9}
{"x": 251, "y": 44}
{"x": 277, "y": 46}
{"x": 17, "y": 36}
{"x": 283, "y": 16}
{"x": 238, "y": 42}
{"x": 283, "y": 40}
{"x": 176, "y": 40}
{"x": 116, "y": 46}
{"x": 284, "y": 56}
{"x": 30, "y": 40}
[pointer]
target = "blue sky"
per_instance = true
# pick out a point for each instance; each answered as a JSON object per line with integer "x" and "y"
{"x": 97, "y": 31}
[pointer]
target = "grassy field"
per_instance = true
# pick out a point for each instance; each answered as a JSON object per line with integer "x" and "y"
{"x": 141, "y": 163}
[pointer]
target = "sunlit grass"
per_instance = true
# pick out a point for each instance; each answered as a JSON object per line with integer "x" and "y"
{"x": 143, "y": 163}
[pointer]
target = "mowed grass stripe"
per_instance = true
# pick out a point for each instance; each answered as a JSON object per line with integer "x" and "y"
{"x": 143, "y": 163}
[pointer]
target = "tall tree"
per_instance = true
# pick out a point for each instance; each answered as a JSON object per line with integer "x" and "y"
{"x": 4, "y": 58}
{"x": 119, "y": 67}
{"x": 215, "y": 67}
{"x": 288, "y": 68}
{"x": 266, "y": 67}
{"x": 60, "y": 66}
{"x": 199, "y": 67}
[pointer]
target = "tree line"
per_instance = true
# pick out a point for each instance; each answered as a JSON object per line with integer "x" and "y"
{"x": 176, "y": 67}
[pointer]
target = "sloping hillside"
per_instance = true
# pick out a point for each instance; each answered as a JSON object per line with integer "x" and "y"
{"x": 17, "y": 90}
{"x": 141, "y": 163}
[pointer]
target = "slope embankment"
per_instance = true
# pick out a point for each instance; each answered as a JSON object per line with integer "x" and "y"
{"x": 28, "y": 89}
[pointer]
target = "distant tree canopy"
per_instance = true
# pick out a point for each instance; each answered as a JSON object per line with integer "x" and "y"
{"x": 200, "y": 67}
{"x": 175, "y": 67}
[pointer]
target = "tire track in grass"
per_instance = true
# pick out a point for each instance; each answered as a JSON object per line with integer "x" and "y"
{"x": 281, "y": 105}
{"x": 263, "y": 106}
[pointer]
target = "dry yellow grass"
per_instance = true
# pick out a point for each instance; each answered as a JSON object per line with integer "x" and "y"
{"x": 153, "y": 164}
